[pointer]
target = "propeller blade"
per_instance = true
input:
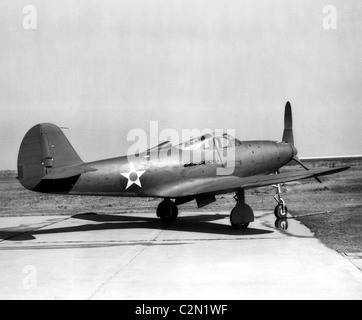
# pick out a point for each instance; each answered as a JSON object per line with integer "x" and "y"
{"x": 296, "y": 159}
{"x": 288, "y": 125}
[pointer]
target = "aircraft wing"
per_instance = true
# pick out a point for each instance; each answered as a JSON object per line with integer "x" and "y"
{"x": 267, "y": 180}
{"x": 225, "y": 184}
{"x": 67, "y": 172}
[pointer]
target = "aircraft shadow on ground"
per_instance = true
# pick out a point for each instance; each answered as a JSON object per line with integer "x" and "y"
{"x": 196, "y": 224}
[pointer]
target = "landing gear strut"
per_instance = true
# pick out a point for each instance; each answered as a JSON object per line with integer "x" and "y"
{"x": 167, "y": 211}
{"x": 281, "y": 210}
{"x": 242, "y": 214}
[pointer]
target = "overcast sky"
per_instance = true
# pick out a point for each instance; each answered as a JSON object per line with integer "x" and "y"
{"x": 104, "y": 68}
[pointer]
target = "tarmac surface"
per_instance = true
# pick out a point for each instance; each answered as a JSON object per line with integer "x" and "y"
{"x": 136, "y": 256}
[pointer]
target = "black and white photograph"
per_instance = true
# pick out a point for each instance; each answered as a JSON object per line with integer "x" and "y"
{"x": 181, "y": 155}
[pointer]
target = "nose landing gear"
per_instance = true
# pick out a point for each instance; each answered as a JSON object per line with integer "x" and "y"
{"x": 281, "y": 210}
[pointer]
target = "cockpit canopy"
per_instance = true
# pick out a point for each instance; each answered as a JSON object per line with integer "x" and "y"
{"x": 208, "y": 141}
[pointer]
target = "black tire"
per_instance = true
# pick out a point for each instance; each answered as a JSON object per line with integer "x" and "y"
{"x": 167, "y": 211}
{"x": 240, "y": 226}
{"x": 234, "y": 214}
{"x": 278, "y": 212}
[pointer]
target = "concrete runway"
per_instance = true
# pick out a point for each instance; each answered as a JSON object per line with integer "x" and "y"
{"x": 136, "y": 256}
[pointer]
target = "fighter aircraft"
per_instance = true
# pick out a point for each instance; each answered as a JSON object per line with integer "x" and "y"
{"x": 193, "y": 170}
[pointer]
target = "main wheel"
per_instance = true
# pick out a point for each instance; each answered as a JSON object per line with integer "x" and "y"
{"x": 167, "y": 211}
{"x": 240, "y": 215}
{"x": 240, "y": 226}
{"x": 280, "y": 212}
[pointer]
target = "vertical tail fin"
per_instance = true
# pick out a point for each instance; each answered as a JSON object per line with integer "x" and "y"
{"x": 44, "y": 147}
{"x": 288, "y": 125}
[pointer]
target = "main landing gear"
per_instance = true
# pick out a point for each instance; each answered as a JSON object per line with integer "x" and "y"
{"x": 242, "y": 214}
{"x": 281, "y": 210}
{"x": 167, "y": 211}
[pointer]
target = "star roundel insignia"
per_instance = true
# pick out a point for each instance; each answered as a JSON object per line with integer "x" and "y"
{"x": 133, "y": 176}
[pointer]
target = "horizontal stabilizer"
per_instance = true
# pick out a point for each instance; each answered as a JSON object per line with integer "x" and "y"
{"x": 68, "y": 172}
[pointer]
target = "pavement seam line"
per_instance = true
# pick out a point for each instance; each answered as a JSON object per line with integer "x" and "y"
{"x": 118, "y": 272}
{"x": 129, "y": 262}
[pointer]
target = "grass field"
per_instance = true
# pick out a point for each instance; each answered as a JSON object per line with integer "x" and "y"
{"x": 332, "y": 210}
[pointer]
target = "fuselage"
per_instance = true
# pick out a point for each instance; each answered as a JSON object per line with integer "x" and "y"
{"x": 165, "y": 171}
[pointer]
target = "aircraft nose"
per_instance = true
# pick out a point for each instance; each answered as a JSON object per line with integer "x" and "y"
{"x": 295, "y": 150}
{"x": 286, "y": 151}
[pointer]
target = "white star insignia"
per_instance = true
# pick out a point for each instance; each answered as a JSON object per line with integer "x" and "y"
{"x": 133, "y": 176}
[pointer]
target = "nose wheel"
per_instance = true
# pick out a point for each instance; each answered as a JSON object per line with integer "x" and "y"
{"x": 281, "y": 210}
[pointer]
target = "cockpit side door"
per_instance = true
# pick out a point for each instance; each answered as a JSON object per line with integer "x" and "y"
{"x": 198, "y": 157}
{"x": 225, "y": 150}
